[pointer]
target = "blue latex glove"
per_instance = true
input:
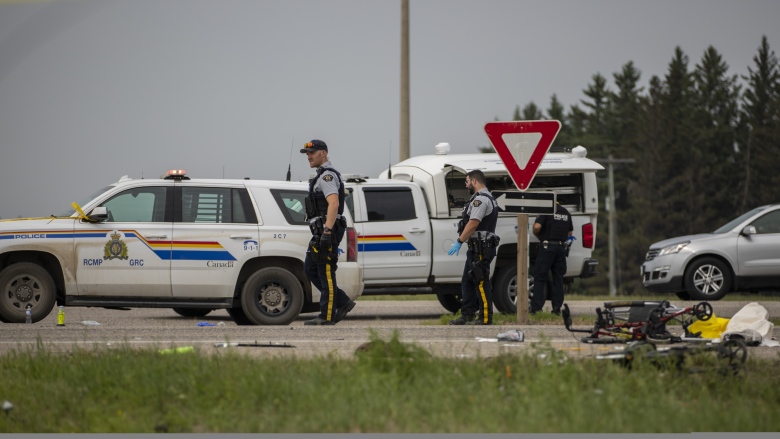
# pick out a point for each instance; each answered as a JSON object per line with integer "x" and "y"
{"x": 455, "y": 249}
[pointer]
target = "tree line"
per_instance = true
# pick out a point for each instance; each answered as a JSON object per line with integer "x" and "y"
{"x": 706, "y": 149}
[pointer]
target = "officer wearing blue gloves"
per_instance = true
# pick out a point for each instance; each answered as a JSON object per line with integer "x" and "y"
{"x": 477, "y": 227}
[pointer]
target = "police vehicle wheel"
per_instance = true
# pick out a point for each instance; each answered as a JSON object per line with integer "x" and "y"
{"x": 23, "y": 284}
{"x": 192, "y": 312}
{"x": 505, "y": 288}
{"x": 272, "y": 296}
{"x": 239, "y": 317}
{"x": 707, "y": 279}
{"x": 450, "y": 302}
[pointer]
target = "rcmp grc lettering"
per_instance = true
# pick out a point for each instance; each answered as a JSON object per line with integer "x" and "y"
{"x": 93, "y": 262}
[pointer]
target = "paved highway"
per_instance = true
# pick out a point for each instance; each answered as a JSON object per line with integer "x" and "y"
{"x": 415, "y": 321}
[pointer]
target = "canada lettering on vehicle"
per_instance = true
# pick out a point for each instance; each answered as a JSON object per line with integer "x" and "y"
{"x": 30, "y": 235}
{"x": 212, "y": 264}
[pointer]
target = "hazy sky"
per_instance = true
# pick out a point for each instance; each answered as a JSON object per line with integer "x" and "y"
{"x": 91, "y": 90}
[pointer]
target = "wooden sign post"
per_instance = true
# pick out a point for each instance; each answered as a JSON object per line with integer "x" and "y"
{"x": 522, "y": 269}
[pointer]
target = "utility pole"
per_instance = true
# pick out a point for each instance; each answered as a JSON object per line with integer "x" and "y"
{"x": 612, "y": 219}
{"x": 403, "y": 145}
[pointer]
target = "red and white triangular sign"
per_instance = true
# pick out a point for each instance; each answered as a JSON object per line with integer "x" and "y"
{"x": 521, "y": 145}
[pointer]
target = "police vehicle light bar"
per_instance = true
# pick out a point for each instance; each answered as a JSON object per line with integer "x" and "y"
{"x": 176, "y": 174}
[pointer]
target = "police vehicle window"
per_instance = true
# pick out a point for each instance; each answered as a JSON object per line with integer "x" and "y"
{"x": 243, "y": 211}
{"x": 349, "y": 201}
{"x": 457, "y": 194}
{"x": 568, "y": 189}
{"x": 137, "y": 205}
{"x": 389, "y": 203}
{"x": 206, "y": 205}
{"x": 292, "y": 204}
{"x": 769, "y": 223}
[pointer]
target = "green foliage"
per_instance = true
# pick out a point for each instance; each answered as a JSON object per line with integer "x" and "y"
{"x": 388, "y": 387}
{"x": 705, "y": 151}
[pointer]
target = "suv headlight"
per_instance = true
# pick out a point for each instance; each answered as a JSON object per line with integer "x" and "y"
{"x": 672, "y": 249}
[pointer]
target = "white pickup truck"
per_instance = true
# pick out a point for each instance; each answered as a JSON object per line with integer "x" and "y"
{"x": 407, "y": 222}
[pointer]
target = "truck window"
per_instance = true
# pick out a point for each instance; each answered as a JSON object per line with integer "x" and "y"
{"x": 389, "y": 203}
{"x": 568, "y": 188}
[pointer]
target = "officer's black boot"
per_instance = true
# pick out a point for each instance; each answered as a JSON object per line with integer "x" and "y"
{"x": 462, "y": 320}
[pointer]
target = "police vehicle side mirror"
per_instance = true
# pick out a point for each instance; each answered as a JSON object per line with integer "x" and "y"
{"x": 98, "y": 214}
{"x": 749, "y": 230}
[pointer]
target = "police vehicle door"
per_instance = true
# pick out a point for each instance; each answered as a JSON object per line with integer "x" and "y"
{"x": 128, "y": 254}
{"x": 215, "y": 231}
{"x": 394, "y": 237}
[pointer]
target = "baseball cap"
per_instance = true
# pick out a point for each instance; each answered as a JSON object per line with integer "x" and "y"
{"x": 314, "y": 145}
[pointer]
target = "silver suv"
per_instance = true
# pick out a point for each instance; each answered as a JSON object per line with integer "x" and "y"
{"x": 743, "y": 255}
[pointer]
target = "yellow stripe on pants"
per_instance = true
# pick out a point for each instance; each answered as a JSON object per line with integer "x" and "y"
{"x": 330, "y": 293}
{"x": 484, "y": 302}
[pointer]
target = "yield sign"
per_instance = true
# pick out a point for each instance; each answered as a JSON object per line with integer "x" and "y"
{"x": 521, "y": 145}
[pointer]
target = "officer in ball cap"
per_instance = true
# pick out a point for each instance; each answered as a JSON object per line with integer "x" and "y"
{"x": 324, "y": 209}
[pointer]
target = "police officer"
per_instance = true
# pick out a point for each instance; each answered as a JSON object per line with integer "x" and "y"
{"x": 324, "y": 207}
{"x": 552, "y": 231}
{"x": 477, "y": 227}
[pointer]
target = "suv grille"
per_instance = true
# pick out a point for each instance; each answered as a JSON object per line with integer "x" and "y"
{"x": 651, "y": 254}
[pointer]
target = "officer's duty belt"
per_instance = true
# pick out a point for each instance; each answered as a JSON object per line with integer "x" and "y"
{"x": 553, "y": 242}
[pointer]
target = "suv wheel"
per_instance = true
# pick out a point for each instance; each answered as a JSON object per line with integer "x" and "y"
{"x": 707, "y": 279}
{"x": 25, "y": 284}
{"x": 272, "y": 296}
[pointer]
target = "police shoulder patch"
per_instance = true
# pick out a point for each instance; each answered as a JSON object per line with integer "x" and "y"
{"x": 476, "y": 203}
{"x": 327, "y": 177}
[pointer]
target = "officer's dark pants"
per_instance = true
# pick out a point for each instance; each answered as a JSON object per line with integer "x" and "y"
{"x": 478, "y": 296}
{"x": 552, "y": 258}
{"x": 323, "y": 276}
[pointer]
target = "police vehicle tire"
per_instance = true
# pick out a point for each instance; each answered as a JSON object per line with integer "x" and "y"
{"x": 505, "y": 288}
{"x": 239, "y": 317}
{"x": 272, "y": 296}
{"x": 192, "y": 312}
{"x": 450, "y": 302}
{"x": 26, "y": 283}
{"x": 707, "y": 279}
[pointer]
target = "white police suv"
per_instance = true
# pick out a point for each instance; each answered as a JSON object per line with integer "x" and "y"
{"x": 193, "y": 245}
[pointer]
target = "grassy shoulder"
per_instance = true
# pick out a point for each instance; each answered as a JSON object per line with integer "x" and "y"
{"x": 388, "y": 387}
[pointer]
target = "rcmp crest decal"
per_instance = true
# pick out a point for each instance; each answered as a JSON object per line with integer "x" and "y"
{"x": 327, "y": 177}
{"x": 476, "y": 203}
{"x": 115, "y": 248}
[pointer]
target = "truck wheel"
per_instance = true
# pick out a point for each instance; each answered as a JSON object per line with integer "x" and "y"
{"x": 707, "y": 279}
{"x": 272, "y": 296}
{"x": 505, "y": 288}
{"x": 24, "y": 284}
{"x": 450, "y": 302}
{"x": 192, "y": 312}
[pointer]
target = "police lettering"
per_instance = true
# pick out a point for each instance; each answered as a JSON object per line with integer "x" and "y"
{"x": 560, "y": 217}
{"x": 93, "y": 262}
{"x": 30, "y": 235}
{"x": 136, "y": 262}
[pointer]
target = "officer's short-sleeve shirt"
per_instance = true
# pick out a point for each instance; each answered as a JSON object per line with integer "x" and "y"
{"x": 480, "y": 206}
{"x": 559, "y": 223}
{"x": 328, "y": 183}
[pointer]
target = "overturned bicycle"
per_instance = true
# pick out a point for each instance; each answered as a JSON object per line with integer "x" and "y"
{"x": 627, "y": 321}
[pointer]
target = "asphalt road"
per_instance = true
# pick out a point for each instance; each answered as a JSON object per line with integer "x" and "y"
{"x": 415, "y": 321}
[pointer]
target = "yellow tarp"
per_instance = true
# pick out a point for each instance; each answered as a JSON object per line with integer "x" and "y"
{"x": 712, "y": 328}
